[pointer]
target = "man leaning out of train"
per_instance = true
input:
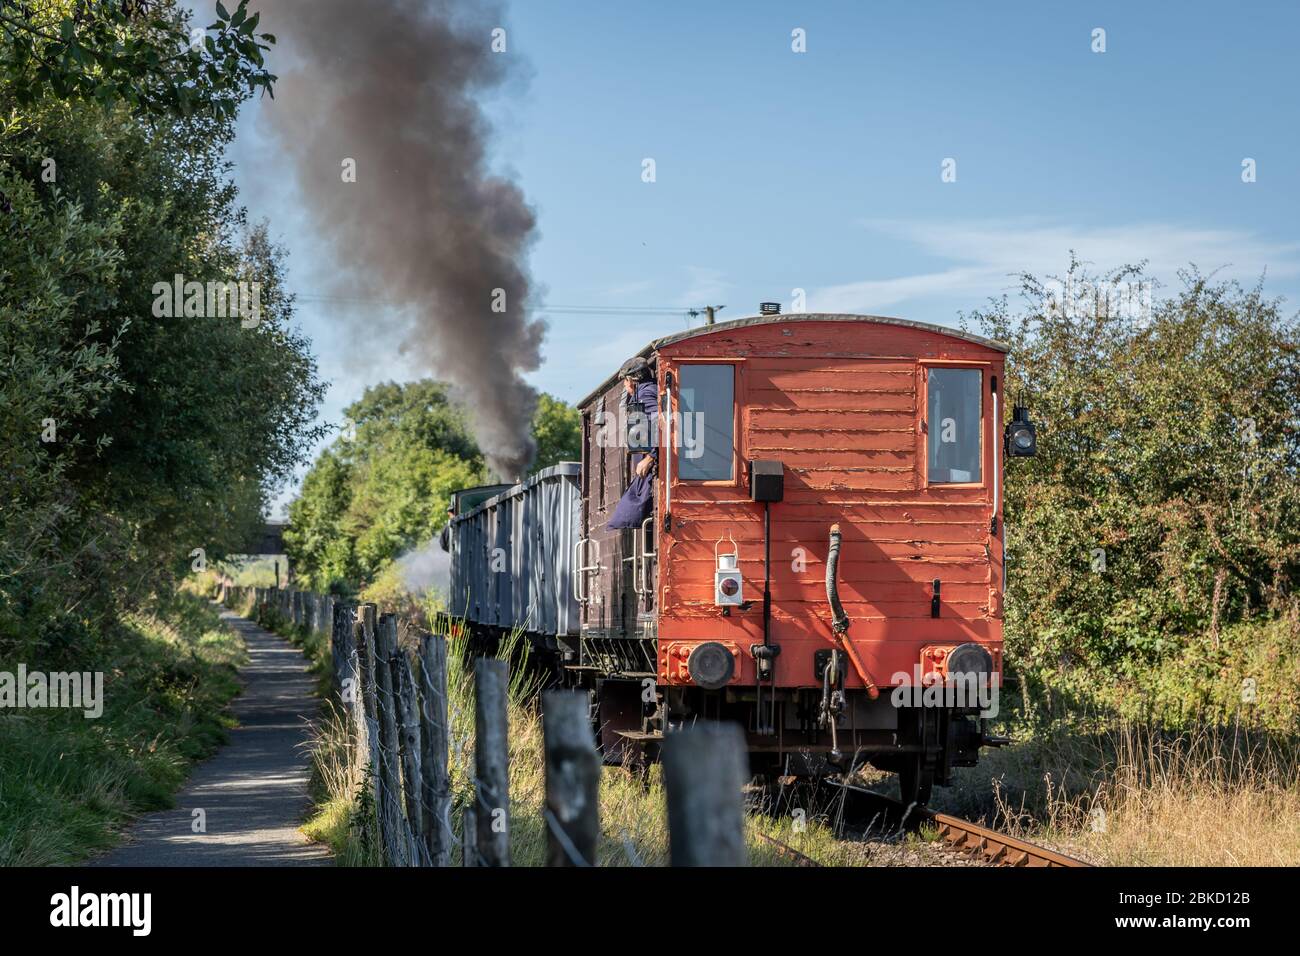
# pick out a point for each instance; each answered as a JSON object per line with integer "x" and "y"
{"x": 637, "y": 502}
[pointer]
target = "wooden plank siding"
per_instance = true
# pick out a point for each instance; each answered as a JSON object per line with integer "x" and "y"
{"x": 612, "y": 607}
{"x": 842, "y": 405}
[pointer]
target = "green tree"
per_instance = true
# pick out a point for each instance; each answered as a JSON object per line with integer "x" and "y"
{"x": 557, "y": 428}
{"x": 384, "y": 485}
{"x": 1164, "y": 501}
{"x": 143, "y": 53}
{"x": 129, "y": 439}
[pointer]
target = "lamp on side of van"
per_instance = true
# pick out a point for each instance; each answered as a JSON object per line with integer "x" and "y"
{"x": 1021, "y": 436}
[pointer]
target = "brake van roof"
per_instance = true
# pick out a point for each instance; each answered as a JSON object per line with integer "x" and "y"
{"x": 789, "y": 318}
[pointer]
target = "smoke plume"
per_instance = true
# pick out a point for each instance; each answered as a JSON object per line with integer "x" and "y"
{"x": 425, "y": 228}
{"x": 426, "y": 569}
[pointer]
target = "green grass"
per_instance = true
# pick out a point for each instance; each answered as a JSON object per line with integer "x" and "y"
{"x": 342, "y": 817}
{"x": 1246, "y": 673}
{"x": 67, "y": 783}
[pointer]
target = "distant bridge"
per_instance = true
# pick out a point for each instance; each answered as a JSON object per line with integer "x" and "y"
{"x": 269, "y": 540}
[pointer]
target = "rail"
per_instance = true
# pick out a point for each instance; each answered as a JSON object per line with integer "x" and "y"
{"x": 994, "y": 847}
{"x": 972, "y": 839}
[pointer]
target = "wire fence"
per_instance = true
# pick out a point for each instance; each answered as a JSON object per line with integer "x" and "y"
{"x": 396, "y": 702}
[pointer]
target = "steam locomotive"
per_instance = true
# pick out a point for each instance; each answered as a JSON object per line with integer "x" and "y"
{"x": 823, "y": 562}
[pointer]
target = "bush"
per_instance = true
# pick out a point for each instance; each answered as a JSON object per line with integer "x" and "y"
{"x": 67, "y": 783}
{"x": 1163, "y": 506}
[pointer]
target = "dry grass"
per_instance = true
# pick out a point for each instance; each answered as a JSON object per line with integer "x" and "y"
{"x": 1107, "y": 791}
{"x": 340, "y": 819}
{"x": 1137, "y": 796}
{"x": 1133, "y": 796}
{"x": 634, "y": 830}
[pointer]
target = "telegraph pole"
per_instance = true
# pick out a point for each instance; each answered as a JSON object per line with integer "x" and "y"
{"x": 707, "y": 311}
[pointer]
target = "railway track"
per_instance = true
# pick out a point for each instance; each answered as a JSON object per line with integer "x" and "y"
{"x": 787, "y": 852}
{"x": 994, "y": 847}
{"x": 981, "y": 842}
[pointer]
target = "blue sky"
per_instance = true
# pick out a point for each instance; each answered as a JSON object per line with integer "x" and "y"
{"x": 778, "y": 170}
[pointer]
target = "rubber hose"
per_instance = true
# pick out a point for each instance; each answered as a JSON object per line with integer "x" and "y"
{"x": 839, "y": 619}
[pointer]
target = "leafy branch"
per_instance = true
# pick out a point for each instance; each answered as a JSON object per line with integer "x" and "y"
{"x": 142, "y": 52}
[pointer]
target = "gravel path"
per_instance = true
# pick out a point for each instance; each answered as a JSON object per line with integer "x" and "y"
{"x": 254, "y": 790}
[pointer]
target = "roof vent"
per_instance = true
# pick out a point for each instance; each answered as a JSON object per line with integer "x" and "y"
{"x": 769, "y": 308}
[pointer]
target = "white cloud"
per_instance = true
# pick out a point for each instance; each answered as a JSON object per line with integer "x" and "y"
{"x": 987, "y": 256}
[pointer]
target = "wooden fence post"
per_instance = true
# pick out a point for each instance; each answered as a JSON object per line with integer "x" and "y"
{"x": 468, "y": 837}
{"x": 435, "y": 737}
{"x": 390, "y": 782}
{"x": 369, "y": 729}
{"x": 336, "y": 654}
{"x": 342, "y": 646}
{"x": 491, "y": 761}
{"x": 572, "y": 779}
{"x": 363, "y": 635}
{"x": 408, "y": 716}
{"x": 353, "y": 695}
{"x": 704, "y": 771}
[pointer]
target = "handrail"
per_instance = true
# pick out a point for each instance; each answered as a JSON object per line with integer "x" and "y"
{"x": 666, "y": 448}
{"x": 580, "y": 570}
{"x": 635, "y": 558}
{"x": 577, "y": 574}
{"x": 644, "y": 570}
{"x": 997, "y": 424}
{"x": 999, "y": 461}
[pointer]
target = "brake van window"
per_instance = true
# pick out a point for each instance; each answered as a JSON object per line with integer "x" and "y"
{"x": 953, "y": 426}
{"x": 707, "y": 402}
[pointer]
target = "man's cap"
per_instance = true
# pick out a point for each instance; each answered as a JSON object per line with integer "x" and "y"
{"x": 633, "y": 367}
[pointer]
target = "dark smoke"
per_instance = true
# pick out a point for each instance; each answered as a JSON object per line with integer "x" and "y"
{"x": 392, "y": 84}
